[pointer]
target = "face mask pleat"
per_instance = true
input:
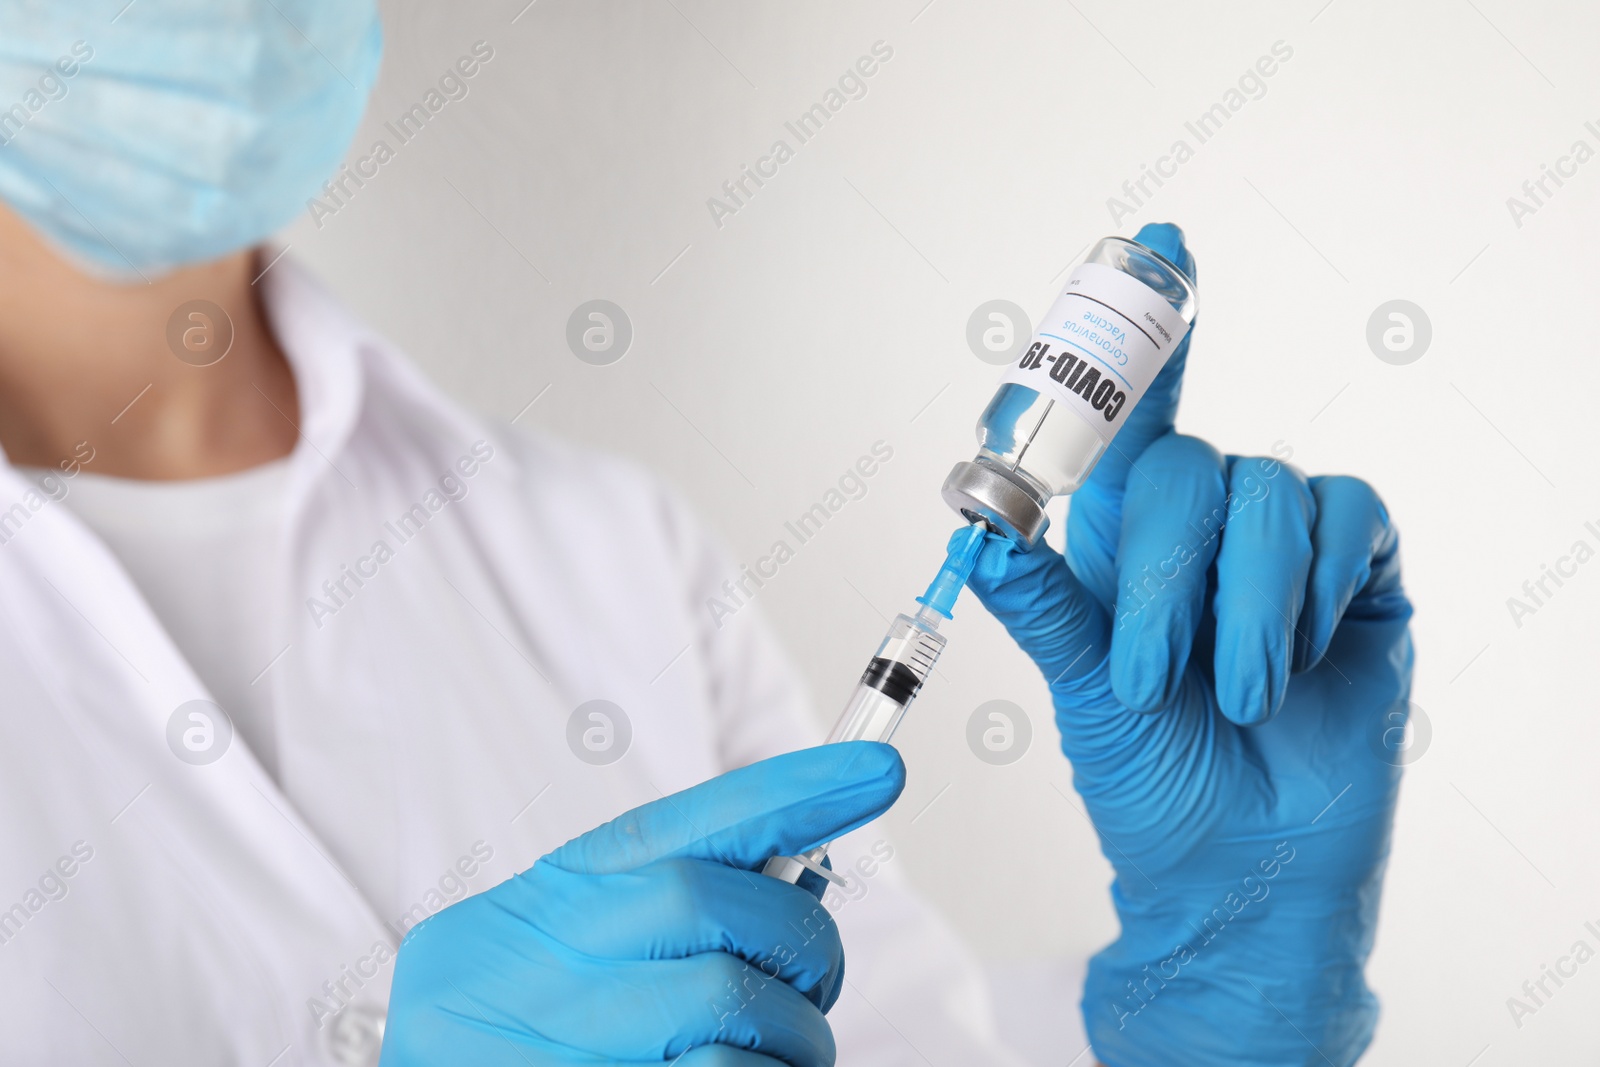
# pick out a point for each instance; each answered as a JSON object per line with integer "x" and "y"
{"x": 173, "y": 136}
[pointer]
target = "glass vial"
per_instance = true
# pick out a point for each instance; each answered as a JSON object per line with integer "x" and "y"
{"x": 1122, "y": 313}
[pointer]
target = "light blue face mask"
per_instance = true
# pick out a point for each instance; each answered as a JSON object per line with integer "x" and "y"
{"x": 142, "y": 135}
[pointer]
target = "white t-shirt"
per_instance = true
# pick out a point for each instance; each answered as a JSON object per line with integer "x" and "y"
{"x": 205, "y": 553}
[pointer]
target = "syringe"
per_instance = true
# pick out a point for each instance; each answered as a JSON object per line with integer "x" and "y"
{"x": 892, "y": 680}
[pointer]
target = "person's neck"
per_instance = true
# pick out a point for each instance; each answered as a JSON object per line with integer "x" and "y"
{"x": 84, "y": 360}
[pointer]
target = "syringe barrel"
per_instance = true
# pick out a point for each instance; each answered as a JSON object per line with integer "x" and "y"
{"x": 871, "y": 715}
{"x": 887, "y": 687}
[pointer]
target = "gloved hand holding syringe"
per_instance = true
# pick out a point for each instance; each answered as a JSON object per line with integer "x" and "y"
{"x": 1121, "y": 314}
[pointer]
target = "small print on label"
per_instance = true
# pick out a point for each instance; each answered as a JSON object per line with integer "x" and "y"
{"x": 1102, "y": 344}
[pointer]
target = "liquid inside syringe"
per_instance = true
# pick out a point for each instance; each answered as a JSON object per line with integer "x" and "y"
{"x": 893, "y": 678}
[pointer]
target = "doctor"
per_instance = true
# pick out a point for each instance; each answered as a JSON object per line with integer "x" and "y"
{"x": 302, "y": 660}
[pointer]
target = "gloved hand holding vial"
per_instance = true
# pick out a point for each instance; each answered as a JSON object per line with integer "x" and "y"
{"x": 1216, "y": 728}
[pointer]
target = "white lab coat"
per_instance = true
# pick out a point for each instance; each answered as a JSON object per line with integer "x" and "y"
{"x": 158, "y": 912}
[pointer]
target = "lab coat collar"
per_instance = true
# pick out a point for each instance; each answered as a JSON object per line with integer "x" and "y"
{"x": 323, "y": 343}
{"x": 339, "y": 363}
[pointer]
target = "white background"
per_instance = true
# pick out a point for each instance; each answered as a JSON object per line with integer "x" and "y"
{"x": 830, "y": 312}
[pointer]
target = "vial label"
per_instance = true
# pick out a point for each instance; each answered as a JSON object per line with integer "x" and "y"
{"x": 1102, "y": 344}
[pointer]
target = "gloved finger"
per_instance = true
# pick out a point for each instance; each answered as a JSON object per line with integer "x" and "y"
{"x": 719, "y": 999}
{"x": 1067, "y": 634}
{"x": 1352, "y": 532}
{"x": 649, "y": 1011}
{"x": 1049, "y": 614}
{"x": 469, "y": 1037}
{"x": 1157, "y": 410}
{"x": 1262, "y": 567}
{"x": 1381, "y": 595}
{"x": 1096, "y": 515}
{"x": 1174, "y": 511}
{"x": 724, "y": 1056}
{"x": 674, "y": 908}
{"x": 777, "y": 807}
{"x": 752, "y": 1011}
{"x": 1383, "y": 598}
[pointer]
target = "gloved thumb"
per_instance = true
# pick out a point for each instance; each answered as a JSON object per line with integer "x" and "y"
{"x": 777, "y": 807}
{"x": 1049, "y": 614}
{"x": 1065, "y": 631}
{"x": 1158, "y": 410}
{"x": 1097, "y": 507}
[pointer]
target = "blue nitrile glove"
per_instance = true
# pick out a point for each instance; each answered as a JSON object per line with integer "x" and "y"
{"x": 653, "y": 938}
{"x": 1230, "y": 704}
